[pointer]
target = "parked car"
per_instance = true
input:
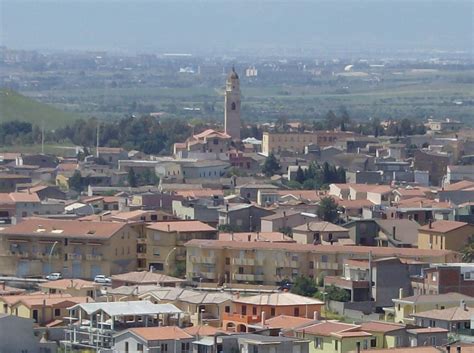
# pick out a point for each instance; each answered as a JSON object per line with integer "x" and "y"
{"x": 54, "y": 276}
{"x": 102, "y": 279}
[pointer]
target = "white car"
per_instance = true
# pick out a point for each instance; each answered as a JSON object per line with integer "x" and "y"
{"x": 102, "y": 279}
{"x": 54, "y": 276}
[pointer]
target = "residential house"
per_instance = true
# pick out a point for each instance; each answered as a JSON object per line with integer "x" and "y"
{"x": 247, "y": 311}
{"x": 39, "y": 246}
{"x": 401, "y": 233}
{"x": 320, "y": 233}
{"x": 144, "y": 278}
{"x": 250, "y": 191}
{"x": 209, "y": 169}
{"x": 385, "y": 334}
{"x": 433, "y": 162}
{"x": 162, "y": 245}
{"x": 9, "y": 182}
{"x": 445, "y": 278}
{"x": 430, "y": 336}
{"x": 75, "y": 287}
{"x": 112, "y": 155}
{"x": 445, "y": 235}
{"x": 264, "y": 344}
{"x": 455, "y": 173}
{"x": 210, "y": 141}
{"x": 405, "y": 307}
{"x": 45, "y": 192}
{"x": 256, "y": 236}
{"x": 242, "y": 217}
{"x": 284, "y": 220}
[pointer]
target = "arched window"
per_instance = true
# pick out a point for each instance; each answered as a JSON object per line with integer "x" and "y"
{"x": 233, "y": 106}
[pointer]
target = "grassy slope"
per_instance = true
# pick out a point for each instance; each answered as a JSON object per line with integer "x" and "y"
{"x": 14, "y": 106}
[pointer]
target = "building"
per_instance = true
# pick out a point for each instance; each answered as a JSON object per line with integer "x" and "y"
{"x": 9, "y": 182}
{"x": 162, "y": 247}
{"x": 445, "y": 235}
{"x": 455, "y": 173}
{"x": 272, "y": 262}
{"x": 111, "y": 155}
{"x": 445, "y": 278}
{"x": 74, "y": 287}
{"x": 264, "y": 344}
{"x": 144, "y": 278}
{"x": 284, "y": 220}
{"x": 255, "y": 309}
{"x": 443, "y": 125}
{"x": 232, "y": 106}
{"x": 430, "y": 336}
{"x": 206, "y": 169}
{"x": 39, "y": 246}
{"x": 153, "y": 339}
{"x": 319, "y": 233}
{"x": 433, "y": 162}
{"x": 405, "y": 307}
{"x": 242, "y": 217}
{"x": 277, "y": 142}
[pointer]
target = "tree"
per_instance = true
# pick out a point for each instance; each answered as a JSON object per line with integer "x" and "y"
{"x": 304, "y": 286}
{"x": 300, "y": 178}
{"x": 468, "y": 251}
{"x": 132, "y": 178}
{"x": 337, "y": 294}
{"x": 75, "y": 182}
{"x": 271, "y": 165}
{"x": 328, "y": 210}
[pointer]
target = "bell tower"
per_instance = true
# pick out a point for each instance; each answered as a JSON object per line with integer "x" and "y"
{"x": 232, "y": 105}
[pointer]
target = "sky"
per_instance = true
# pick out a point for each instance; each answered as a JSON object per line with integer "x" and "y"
{"x": 138, "y": 26}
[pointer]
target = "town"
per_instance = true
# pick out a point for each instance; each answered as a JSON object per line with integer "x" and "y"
{"x": 323, "y": 239}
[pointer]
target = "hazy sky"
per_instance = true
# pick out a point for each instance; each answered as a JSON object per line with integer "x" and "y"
{"x": 200, "y": 25}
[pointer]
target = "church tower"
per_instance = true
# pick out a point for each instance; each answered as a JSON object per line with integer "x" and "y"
{"x": 232, "y": 106}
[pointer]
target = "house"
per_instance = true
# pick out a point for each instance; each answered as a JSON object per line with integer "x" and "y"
{"x": 385, "y": 334}
{"x": 74, "y": 287}
{"x": 319, "y": 233}
{"x": 430, "y": 336}
{"x": 162, "y": 247}
{"x": 144, "y": 278}
{"x": 9, "y": 182}
{"x": 250, "y": 191}
{"x": 434, "y": 162}
{"x": 284, "y": 220}
{"x": 455, "y": 173}
{"x": 94, "y": 325}
{"x": 256, "y": 236}
{"x": 405, "y": 307}
{"x": 445, "y": 235}
{"x": 247, "y": 311}
{"x": 340, "y": 191}
{"x": 17, "y": 335}
{"x": 7, "y": 290}
{"x": 153, "y": 339}
{"x": 209, "y": 169}
{"x": 45, "y": 192}
{"x": 445, "y": 278}
{"x": 401, "y": 233}
{"x": 210, "y": 141}
{"x": 242, "y": 217}
{"x": 39, "y": 246}
{"x": 456, "y": 320}
{"x": 264, "y": 344}
{"x": 111, "y": 155}
{"x": 379, "y": 195}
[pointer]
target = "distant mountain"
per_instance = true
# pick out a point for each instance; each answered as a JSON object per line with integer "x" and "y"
{"x": 14, "y": 106}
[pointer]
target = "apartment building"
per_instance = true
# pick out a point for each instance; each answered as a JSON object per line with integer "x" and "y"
{"x": 37, "y": 246}
{"x": 162, "y": 245}
{"x": 276, "y": 142}
{"x": 445, "y": 235}
{"x": 445, "y": 278}
{"x": 270, "y": 263}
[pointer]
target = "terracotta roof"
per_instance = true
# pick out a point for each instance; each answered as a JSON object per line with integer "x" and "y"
{"x": 380, "y": 326}
{"x": 211, "y": 133}
{"x": 362, "y": 187}
{"x": 160, "y": 333}
{"x": 380, "y": 189}
{"x": 202, "y": 330}
{"x": 54, "y": 302}
{"x": 351, "y": 204}
{"x": 263, "y": 236}
{"x": 197, "y": 193}
{"x": 53, "y": 228}
{"x": 422, "y": 202}
{"x": 424, "y": 349}
{"x": 443, "y": 226}
{"x": 145, "y": 277}
{"x": 436, "y": 298}
{"x": 69, "y": 283}
{"x": 324, "y": 249}
{"x": 12, "y": 299}
{"x": 286, "y": 322}
{"x": 427, "y": 330}
{"x": 24, "y": 197}
{"x": 181, "y": 226}
{"x": 310, "y": 195}
{"x": 7, "y": 290}
{"x": 278, "y": 299}
{"x": 327, "y": 328}
{"x": 461, "y": 185}
{"x": 456, "y": 313}
{"x": 320, "y": 227}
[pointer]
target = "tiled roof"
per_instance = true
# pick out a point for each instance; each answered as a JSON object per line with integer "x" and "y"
{"x": 197, "y": 193}
{"x": 286, "y": 322}
{"x": 424, "y": 349}
{"x": 160, "y": 333}
{"x": 211, "y": 133}
{"x": 202, "y": 330}
{"x": 327, "y": 328}
{"x": 443, "y": 226}
{"x": 12, "y": 299}
{"x": 427, "y": 330}
{"x": 55, "y": 302}
{"x": 145, "y": 277}
{"x": 320, "y": 227}
{"x": 456, "y": 313}
{"x": 436, "y": 298}
{"x": 7, "y": 290}
{"x": 24, "y": 197}
{"x": 181, "y": 226}
{"x": 461, "y": 185}
{"x": 278, "y": 299}
{"x": 262, "y": 236}
{"x": 64, "y": 228}
{"x": 380, "y": 326}
{"x": 69, "y": 283}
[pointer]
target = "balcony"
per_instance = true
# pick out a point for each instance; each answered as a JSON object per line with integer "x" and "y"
{"x": 141, "y": 255}
{"x": 208, "y": 275}
{"x": 245, "y": 319}
{"x": 74, "y": 256}
{"x": 141, "y": 240}
{"x": 20, "y": 254}
{"x": 243, "y": 262}
{"x": 342, "y": 282}
{"x": 287, "y": 263}
{"x": 202, "y": 259}
{"x": 326, "y": 266}
{"x": 94, "y": 257}
{"x": 247, "y": 277}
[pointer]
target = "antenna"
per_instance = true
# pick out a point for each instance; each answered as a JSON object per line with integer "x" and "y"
{"x": 42, "y": 137}
{"x": 97, "y": 146}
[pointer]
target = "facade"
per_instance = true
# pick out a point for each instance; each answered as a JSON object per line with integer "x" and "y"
{"x": 445, "y": 278}
{"x": 435, "y": 163}
{"x": 264, "y": 344}
{"x": 242, "y": 217}
{"x": 232, "y": 106}
{"x": 272, "y": 262}
{"x": 162, "y": 246}
{"x": 319, "y": 233}
{"x": 284, "y": 220}
{"x": 37, "y": 247}
{"x": 207, "y": 169}
{"x": 73, "y": 287}
{"x": 445, "y": 235}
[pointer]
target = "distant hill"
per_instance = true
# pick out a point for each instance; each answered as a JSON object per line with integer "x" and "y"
{"x": 14, "y": 106}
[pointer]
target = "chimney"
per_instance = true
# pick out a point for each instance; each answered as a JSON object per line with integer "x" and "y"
{"x": 250, "y": 237}
{"x": 430, "y": 224}
{"x": 463, "y": 305}
{"x": 284, "y": 213}
{"x": 232, "y": 236}
{"x": 169, "y": 228}
{"x": 263, "y": 318}
{"x": 400, "y": 293}
{"x": 316, "y": 315}
{"x": 394, "y": 233}
{"x": 72, "y": 283}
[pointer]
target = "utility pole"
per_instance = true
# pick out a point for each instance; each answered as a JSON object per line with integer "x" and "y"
{"x": 42, "y": 137}
{"x": 97, "y": 144}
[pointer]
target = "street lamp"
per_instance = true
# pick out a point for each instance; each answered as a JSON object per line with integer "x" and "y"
{"x": 51, "y": 254}
{"x": 168, "y": 256}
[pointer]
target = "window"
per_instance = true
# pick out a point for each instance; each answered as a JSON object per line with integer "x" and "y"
{"x": 336, "y": 345}
{"x": 373, "y": 343}
{"x": 254, "y": 310}
{"x": 272, "y": 311}
{"x": 57, "y": 312}
{"x": 227, "y": 309}
{"x": 365, "y": 344}
{"x": 324, "y": 258}
{"x": 297, "y": 312}
{"x": 227, "y": 260}
{"x": 139, "y": 347}
{"x": 164, "y": 347}
{"x": 311, "y": 265}
{"x": 433, "y": 340}
{"x": 127, "y": 349}
{"x": 233, "y": 106}
{"x": 254, "y": 349}
{"x": 318, "y": 342}
{"x": 215, "y": 141}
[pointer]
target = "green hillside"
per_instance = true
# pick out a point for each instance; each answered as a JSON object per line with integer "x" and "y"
{"x": 14, "y": 106}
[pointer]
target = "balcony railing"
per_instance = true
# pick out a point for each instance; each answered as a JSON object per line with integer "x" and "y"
{"x": 202, "y": 259}
{"x": 247, "y": 277}
{"x": 72, "y": 256}
{"x": 287, "y": 263}
{"x": 327, "y": 265}
{"x": 243, "y": 262}
{"x": 246, "y": 319}
{"x": 141, "y": 240}
{"x": 94, "y": 257}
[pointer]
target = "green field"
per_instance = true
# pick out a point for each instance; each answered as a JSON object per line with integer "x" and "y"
{"x": 14, "y": 106}
{"x": 58, "y": 150}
